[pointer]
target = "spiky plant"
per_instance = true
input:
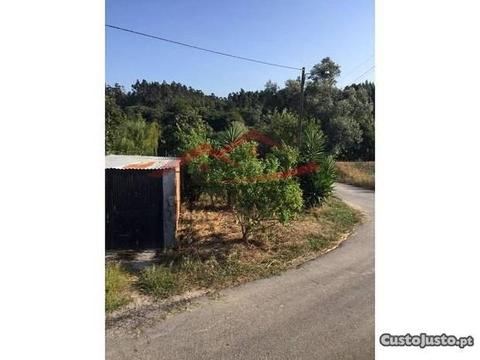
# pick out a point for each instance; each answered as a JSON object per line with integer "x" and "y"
{"x": 234, "y": 132}
{"x": 313, "y": 146}
{"x": 318, "y": 185}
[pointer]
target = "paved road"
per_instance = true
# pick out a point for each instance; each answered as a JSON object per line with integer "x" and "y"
{"x": 323, "y": 310}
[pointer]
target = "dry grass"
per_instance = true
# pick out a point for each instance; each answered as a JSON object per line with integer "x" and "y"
{"x": 211, "y": 255}
{"x": 358, "y": 173}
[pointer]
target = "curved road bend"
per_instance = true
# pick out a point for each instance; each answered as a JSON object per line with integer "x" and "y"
{"x": 322, "y": 310}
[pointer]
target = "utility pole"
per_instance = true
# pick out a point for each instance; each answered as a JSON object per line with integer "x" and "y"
{"x": 300, "y": 118}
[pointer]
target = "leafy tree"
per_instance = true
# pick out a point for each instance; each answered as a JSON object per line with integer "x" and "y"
{"x": 271, "y": 87}
{"x": 194, "y": 145}
{"x": 254, "y": 191}
{"x": 135, "y": 137}
{"x": 114, "y": 116}
{"x": 267, "y": 110}
{"x": 281, "y": 126}
{"x": 182, "y": 114}
{"x": 345, "y": 136}
{"x": 325, "y": 72}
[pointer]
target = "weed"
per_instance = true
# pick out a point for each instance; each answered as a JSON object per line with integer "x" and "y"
{"x": 157, "y": 281}
{"x": 317, "y": 242}
{"x": 117, "y": 282}
{"x": 340, "y": 216}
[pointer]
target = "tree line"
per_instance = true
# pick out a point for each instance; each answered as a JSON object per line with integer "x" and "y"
{"x": 150, "y": 118}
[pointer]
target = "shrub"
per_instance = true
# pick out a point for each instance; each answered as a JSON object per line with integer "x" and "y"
{"x": 233, "y": 133}
{"x": 253, "y": 187}
{"x": 192, "y": 136}
{"x": 281, "y": 126}
{"x": 255, "y": 192}
{"x": 286, "y": 155}
{"x": 318, "y": 185}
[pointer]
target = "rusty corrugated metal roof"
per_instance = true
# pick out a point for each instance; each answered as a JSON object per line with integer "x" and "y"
{"x": 137, "y": 162}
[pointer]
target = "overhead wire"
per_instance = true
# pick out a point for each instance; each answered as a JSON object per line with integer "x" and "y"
{"x": 352, "y": 70}
{"x": 201, "y": 48}
{"x": 364, "y": 73}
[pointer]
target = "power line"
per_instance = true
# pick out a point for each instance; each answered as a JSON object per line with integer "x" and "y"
{"x": 201, "y": 48}
{"x": 359, "y": 77}
{"x": 352, "y": 70}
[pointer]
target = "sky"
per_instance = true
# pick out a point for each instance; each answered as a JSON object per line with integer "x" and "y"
{"x": 294, "y": 33}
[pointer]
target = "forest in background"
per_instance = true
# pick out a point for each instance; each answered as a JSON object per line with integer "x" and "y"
{"x": 150, "y": 118}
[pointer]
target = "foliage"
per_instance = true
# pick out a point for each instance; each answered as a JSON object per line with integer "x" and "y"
{"x": 345, "y": 136}
{"x": 190, "y": 133}
{"x": 114, "y": 116}
{"x": 248, "y": 184}
{"x": 192, "y": 137}
{"x": 313, "y": 145}
{"x": 255, "y": 193}
{"x": 325, "y": 72}
{"x": 281, "y": 126}
{"x": 346, "y": 116}
{"x": 233, "y": 133}
{"x": 287, "y": 156}
{"x": 317, "y": 186}
{"x": 134, "y": 136}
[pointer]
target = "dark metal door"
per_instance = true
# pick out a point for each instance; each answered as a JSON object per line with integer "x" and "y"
{"x": 133, "y": 210}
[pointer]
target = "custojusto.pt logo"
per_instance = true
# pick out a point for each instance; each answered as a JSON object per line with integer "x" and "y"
{"x": 423, "y": 340}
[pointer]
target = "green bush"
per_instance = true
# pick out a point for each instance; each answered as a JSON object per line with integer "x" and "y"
{"x": 281, "y": 126}
{"x": 287, "y": 156}
{"x": 255, "y": 191}
{"x": 318, "y": 186}
{"x": 158, "y": 281}
{"x": 194, "y": 145}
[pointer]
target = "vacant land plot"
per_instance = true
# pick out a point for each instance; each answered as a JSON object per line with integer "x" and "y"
{"x": 211, "y": 254}
{"x": 358, "y": 173}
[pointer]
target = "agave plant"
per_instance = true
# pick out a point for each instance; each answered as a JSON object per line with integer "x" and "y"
{"x": 313, "y": 147}
{"x": 234, "y": 132}
{"x": 318, "y": 185}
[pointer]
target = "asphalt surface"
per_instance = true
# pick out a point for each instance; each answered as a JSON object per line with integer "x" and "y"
{"x": 322, "y": 310}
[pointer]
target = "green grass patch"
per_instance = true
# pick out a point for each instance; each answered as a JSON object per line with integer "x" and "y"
{"x": 317, "y": 242}
{"x": 117, "y": 284}
{"x": 157, "y": 281}
{"x": 341, "y": 217}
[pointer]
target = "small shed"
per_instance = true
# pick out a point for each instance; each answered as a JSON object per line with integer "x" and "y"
{"x": 142, "y": 201}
